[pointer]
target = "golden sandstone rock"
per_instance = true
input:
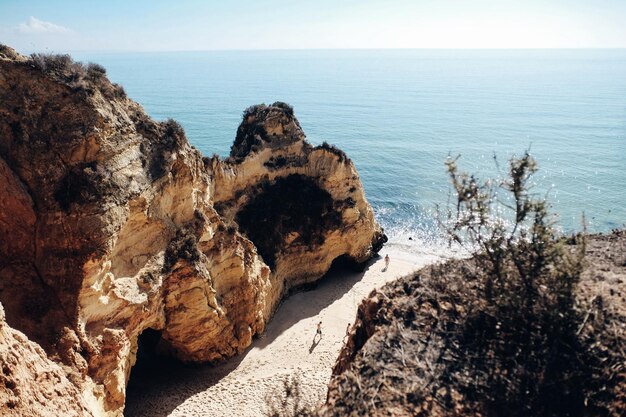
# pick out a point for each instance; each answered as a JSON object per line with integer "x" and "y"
{"x": 112, "y": 224}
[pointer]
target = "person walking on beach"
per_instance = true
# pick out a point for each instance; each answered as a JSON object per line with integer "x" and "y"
{"x": 386, "y": 261}
{"x": 319, "y": 329}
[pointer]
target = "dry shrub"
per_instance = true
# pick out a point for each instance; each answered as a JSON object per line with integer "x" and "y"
{"x": 287, "y": 401}
{"x": 518, "y": 329}
{"x": 81, "y": 78}
{"x": 519, "y": 341}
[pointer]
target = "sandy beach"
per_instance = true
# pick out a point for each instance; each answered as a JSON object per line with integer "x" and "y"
{"x": 239, "y": 386}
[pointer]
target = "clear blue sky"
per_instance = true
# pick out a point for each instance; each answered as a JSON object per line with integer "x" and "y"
{"x": 159, "y": 25}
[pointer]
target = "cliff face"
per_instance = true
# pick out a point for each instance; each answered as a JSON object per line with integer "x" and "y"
{"x": 113, "y": 224}
{"x": 30, "y": 383}
{"x": 407, "y": 353}
{"x": 301, "y": 206}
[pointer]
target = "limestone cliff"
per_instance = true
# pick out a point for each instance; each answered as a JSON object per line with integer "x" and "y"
{"x": 30, "y": 383}
{"x": 112, "y": 224}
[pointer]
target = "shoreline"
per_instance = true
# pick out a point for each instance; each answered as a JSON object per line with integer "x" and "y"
{"x": 239, "y": 386}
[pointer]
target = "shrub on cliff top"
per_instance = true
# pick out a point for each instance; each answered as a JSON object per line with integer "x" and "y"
{"x": 518, "y": 347}
{"x": 173, "y": 129}
{"x": 257, "y": 108}
{"x": 172, "y": 137}
{"x": 78, "y": 76}
{"x": 6, "y": 50}
{"x": 286, "y": 107}
{"x": 515, "y": 330}
{"x": 333, "y": 149}
{"x": 251, "y": 133}
{"x": 253, "y": 110}
{"x": 54, "y": 63}
{"x": 521, "y": 253}
{"x": 95, "y": 71}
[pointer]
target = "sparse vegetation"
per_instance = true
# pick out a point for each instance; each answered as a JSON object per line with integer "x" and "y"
{"x": 251, "y": 133}
{"x": 333, "y": 149}
{"x": 85, "y": 78}
{"x": 288, "y": 400}
{"x": 286, "y": 107}
{"x": 83, "y": 184}
{"x": 118, "y": 91}
{"x": 184, "y": 246}
{"x": 523, "y": 327}
{"x": 53, "y": 63}
{"x": 171, "y": 137}
{"x": 276, "y": 162}
{"x": 96, "y": 71}
{"x": 64, "y": 69}
{"x": 511, "y": 331}
{"x": 6, "y": 50}
{"x": 173, "y": 129}
{"x": 281, "y": 161}
{"x": 253, "y": 110}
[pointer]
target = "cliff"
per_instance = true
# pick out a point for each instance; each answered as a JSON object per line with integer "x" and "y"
{"x": 113, "y": 226}
{"x": 32, "y": 384}
{"x": 416, "y": 348}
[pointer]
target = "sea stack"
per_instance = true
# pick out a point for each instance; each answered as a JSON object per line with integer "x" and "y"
{"x": 112, "y": 225}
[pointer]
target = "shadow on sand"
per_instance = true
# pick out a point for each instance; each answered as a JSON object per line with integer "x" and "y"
{"x": 316, "y": 342}
{"x": 158, "y": 385}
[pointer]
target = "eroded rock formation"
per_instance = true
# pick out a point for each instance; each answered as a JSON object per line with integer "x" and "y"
{"x": 112, "y": 224}
{"x": 30, "y": 383}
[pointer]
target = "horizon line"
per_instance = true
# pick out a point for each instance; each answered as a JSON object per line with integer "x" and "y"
{"x": 71, "y": 51}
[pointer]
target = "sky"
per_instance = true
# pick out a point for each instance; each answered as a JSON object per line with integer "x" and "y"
{"x": 184, "y": 25}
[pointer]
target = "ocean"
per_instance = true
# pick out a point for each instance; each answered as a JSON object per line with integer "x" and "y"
{"x": 399, "y": 114}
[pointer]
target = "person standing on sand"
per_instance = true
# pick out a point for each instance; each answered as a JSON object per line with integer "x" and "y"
{"x": 347, "y": 333}
{"x": 386, "y": 261}
{"x": 319, "y": 329}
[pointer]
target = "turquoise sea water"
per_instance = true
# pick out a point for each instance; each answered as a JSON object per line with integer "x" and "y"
{"x": 399, "y": 113}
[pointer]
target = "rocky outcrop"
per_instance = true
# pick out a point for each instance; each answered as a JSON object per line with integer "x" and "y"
{"x": 30, "y": 383}
{"x": 300, "y": 205}
{"x": 407, "y": 353}
{"x": 112, "y": 225}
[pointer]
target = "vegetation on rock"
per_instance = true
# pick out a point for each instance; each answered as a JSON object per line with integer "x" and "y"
{"x": 333, "y": 149}
{"x": 183, "y": 247}
{"x": 84, "y": 183}
{"x": 76, "y": 75}
{"x": 523, "y": 328}
{"x": 252, "y": 132}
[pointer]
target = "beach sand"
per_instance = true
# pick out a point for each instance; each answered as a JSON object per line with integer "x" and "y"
{"x": 239, "y": 386}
